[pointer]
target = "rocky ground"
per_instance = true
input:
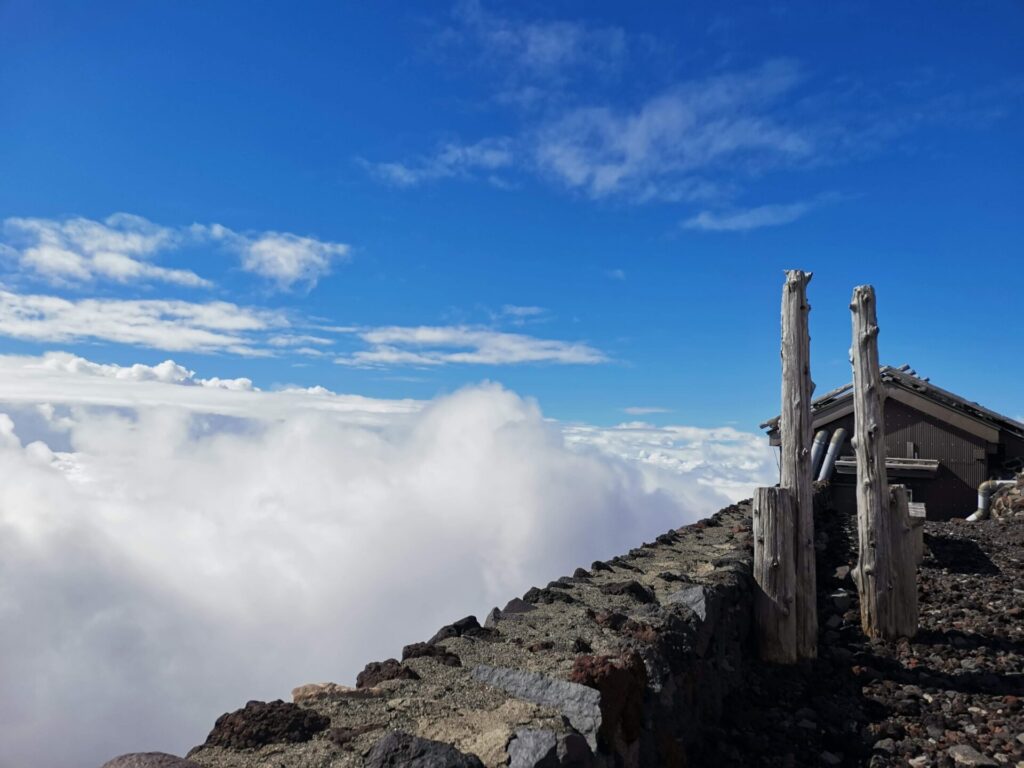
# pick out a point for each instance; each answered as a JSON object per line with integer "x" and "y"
{"x": 953, "y": 696}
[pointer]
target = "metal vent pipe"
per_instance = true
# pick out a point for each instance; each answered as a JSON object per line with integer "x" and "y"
{"x": 818, "y": 450}
{"x": 838, "y": 438}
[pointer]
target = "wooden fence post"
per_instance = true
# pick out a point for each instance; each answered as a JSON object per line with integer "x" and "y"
{"x": 904, "y": 563}
{"x": 775, "y": 574}
{"x": 795, "y": 431}
{"x": 880, "y": 579}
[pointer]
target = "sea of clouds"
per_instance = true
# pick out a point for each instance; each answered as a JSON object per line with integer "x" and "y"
{"x": 172, "y": 546}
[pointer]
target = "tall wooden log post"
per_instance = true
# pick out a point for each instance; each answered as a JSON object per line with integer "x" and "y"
{"x": 888, "y": 604}
{"x": 775, "y": 575}
{"x": 795, "y": 429}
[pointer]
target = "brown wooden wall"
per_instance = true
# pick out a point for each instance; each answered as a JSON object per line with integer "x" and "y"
{"x": 962, "y": 458}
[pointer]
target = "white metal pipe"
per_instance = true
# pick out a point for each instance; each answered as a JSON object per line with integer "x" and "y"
{"x": 985, "y": 492}
{"x": 838, "y": 438}
{"x": 818, "y": 450}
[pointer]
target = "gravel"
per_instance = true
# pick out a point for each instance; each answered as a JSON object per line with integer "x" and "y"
{"x": 951, "y": 696}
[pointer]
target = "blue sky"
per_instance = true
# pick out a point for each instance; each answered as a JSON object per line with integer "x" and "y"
{"x": 590, "y": 203}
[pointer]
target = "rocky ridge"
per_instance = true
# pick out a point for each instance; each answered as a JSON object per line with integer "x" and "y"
{"x": 618, "y": 664}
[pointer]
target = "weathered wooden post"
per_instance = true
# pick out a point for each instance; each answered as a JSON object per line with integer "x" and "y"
{"x": 795, "y": 429}
{"x": 884, "y": 610}
{"x": 775, "y": 574}
{"x": 905, "y": 535}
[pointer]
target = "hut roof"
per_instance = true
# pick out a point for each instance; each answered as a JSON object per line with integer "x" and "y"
{"x": 905, "y": 381}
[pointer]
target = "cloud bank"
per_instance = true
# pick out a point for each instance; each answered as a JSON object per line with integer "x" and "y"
{"x": 433, "y": 345}
{"x": 169, "y": 324}
{"x": 121, "y": 248}
{"x": 171, "y": 549}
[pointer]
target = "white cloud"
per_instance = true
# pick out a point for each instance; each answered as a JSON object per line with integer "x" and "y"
{"x": 162, "y": 563}
{"x": 282, "y": 257}
{"x": 751, "y": 218}
{"x": 723, "y": 458}
{"x": 79, "y": 249}
{"x": 514, "y": 310}
{"x": 289, "y": 259}
{"x": 167, "y": 372}
{"x": 297, "y": 340}
{"x": 215, "y": 326}
{"x": 440, "y": 345}
{"x": 639, "y": 410}
{"x": 660, "y": 149}
{"x": 119, "y": 248}
{"x": 522, "y": 315}
{"x": 683, "y": 145}
{"x": 541, "y": 51}
{"x": 451, "y": 160}
{"x": 60, "y": 377}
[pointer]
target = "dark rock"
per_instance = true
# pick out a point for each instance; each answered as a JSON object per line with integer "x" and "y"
{"x": 597, "y": 565}
{"x": 260, "y": 723}
{"x": 403, "y": 750}
{"x": 633, "y": 589}
{"x": 533, "y": 748}
{"x": 841, "y": 599}
{"x": 467, "y": 627}
{"x": 693, "y": 598}
{"x": 541, "y": 645}
{"x": 573, "y": 751}
{"x": 149, "y": 760}
{"x": 547, "y": 596}
{"x": 377, "y": 672}
{"x": 611, "y": 619}
{"x": 884, "y": 745}
{"x": 621, "y": 681}
{"x": 437, "y": 652}
{"x": 515, "y": 605}
{"x": 580, "y": 645}
{"x": 492, "y": 618}
{"x": 581, "y": 573}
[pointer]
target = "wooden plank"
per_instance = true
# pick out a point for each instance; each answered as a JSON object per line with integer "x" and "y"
{"x": 796, "y": 434}
{"x": 775, "y": 575}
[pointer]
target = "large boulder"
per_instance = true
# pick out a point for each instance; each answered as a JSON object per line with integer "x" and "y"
{"x": 407, "y": 751}
{"x": 260, "y": 723}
